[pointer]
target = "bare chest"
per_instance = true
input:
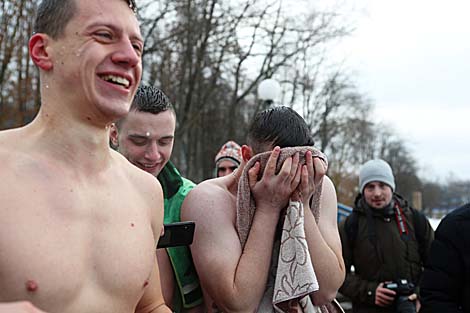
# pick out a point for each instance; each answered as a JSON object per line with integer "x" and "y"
{"x": 63, "y": 238}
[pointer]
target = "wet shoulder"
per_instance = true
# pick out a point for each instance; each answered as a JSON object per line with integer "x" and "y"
{"x": 209, "y": 200}
{"x": 214, "y": 189}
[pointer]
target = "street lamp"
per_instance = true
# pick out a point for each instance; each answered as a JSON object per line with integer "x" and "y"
{"x": 268, "y": 91}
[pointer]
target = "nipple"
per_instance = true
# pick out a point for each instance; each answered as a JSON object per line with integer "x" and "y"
{"x": 31, "y": 286}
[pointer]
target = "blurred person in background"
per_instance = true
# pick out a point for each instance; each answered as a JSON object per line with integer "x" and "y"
{"x": 228, "y": 159}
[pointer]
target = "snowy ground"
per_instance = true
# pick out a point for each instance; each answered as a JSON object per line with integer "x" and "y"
{"x": 434, "y": 222}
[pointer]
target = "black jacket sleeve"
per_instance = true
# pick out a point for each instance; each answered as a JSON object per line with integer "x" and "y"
{"x": 443, "y": 278}
{"x": 426, "y": 242}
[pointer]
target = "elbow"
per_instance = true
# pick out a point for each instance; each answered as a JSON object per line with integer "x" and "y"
{"x": 235, "y": 308}
{"x": 232, "y": 303}
{"x": 343, "y": 275}
{"x": 322, "y": 297}
{"x": 330, "y": 287}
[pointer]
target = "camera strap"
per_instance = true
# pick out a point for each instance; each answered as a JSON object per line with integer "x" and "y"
{"x": 401, "y": 223}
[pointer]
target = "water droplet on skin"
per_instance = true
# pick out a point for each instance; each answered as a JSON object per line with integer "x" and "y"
{"x": 47, "y": 86}
{"x": 79, "y": 52}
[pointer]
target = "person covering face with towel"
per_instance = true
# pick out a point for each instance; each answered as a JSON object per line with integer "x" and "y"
{"x": 235, "y": 275}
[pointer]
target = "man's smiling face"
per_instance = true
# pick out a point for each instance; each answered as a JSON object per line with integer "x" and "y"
{"x": 98, "y": 58}
{"x": 146, "y": 139}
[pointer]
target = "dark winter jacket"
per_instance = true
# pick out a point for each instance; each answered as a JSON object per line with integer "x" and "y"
{"x": 393, "y": 256}
{"x": 446, "y": 278}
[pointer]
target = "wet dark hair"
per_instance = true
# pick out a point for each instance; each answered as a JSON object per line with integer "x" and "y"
{"x": 52, "y": 16}
{"x": 279, "y": 126}
{"x": 149, "y": 99}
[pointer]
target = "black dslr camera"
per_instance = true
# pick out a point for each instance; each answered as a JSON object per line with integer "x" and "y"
{"x": 403, "y": 288}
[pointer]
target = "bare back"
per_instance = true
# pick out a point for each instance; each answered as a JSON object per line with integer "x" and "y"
{"x": 71, "y": 241}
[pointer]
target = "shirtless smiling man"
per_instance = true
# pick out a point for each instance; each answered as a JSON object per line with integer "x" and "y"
{"x": 79, "y": 222}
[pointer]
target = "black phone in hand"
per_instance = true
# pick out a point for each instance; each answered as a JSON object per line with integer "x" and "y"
{"x": 176, "y": 234}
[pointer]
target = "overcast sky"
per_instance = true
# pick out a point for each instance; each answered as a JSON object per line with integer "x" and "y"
{"x": 412, "y": 57}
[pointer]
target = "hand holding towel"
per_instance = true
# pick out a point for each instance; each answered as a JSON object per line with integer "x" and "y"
{"x": 295, "y": 277}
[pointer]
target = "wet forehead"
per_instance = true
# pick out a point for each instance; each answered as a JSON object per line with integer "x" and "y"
{"x": 116, "y": 13}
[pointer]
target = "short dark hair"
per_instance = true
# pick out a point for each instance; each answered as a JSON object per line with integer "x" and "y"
{"x": 52, "y": 16}
{"x": 279, "y": 126}
{"x": 149, "y": 99}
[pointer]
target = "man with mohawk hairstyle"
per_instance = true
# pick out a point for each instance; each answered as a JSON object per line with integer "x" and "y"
{"x": 79, "y": 223}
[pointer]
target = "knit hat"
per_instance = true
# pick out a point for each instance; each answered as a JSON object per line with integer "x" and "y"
{"x": 376, "y": 170}
{"x": 230, "y": 151}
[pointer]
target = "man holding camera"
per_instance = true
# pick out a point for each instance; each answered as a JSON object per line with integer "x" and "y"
{"x": 387, "y": 243}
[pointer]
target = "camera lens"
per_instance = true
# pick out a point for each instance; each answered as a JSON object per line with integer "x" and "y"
{"x": 403, "y": 305}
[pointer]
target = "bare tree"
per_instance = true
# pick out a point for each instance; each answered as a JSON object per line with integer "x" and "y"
{"x": 210, "y": 55}
{"x": 19, "y": 94}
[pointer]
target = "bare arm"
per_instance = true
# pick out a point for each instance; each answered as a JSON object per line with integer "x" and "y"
{"x": 152, "y": 300}
{"x": 325, "y": 246}
{"x": 231, "y": 278}
{"x": 323, "y": 238}
{"x": 236, "y": 279}
{"x": 19, "y": 307}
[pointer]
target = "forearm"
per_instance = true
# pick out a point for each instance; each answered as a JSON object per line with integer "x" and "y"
{"x": 328, "y": 265}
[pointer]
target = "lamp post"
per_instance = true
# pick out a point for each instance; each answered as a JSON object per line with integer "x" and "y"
{"x": 268, "y": 91}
